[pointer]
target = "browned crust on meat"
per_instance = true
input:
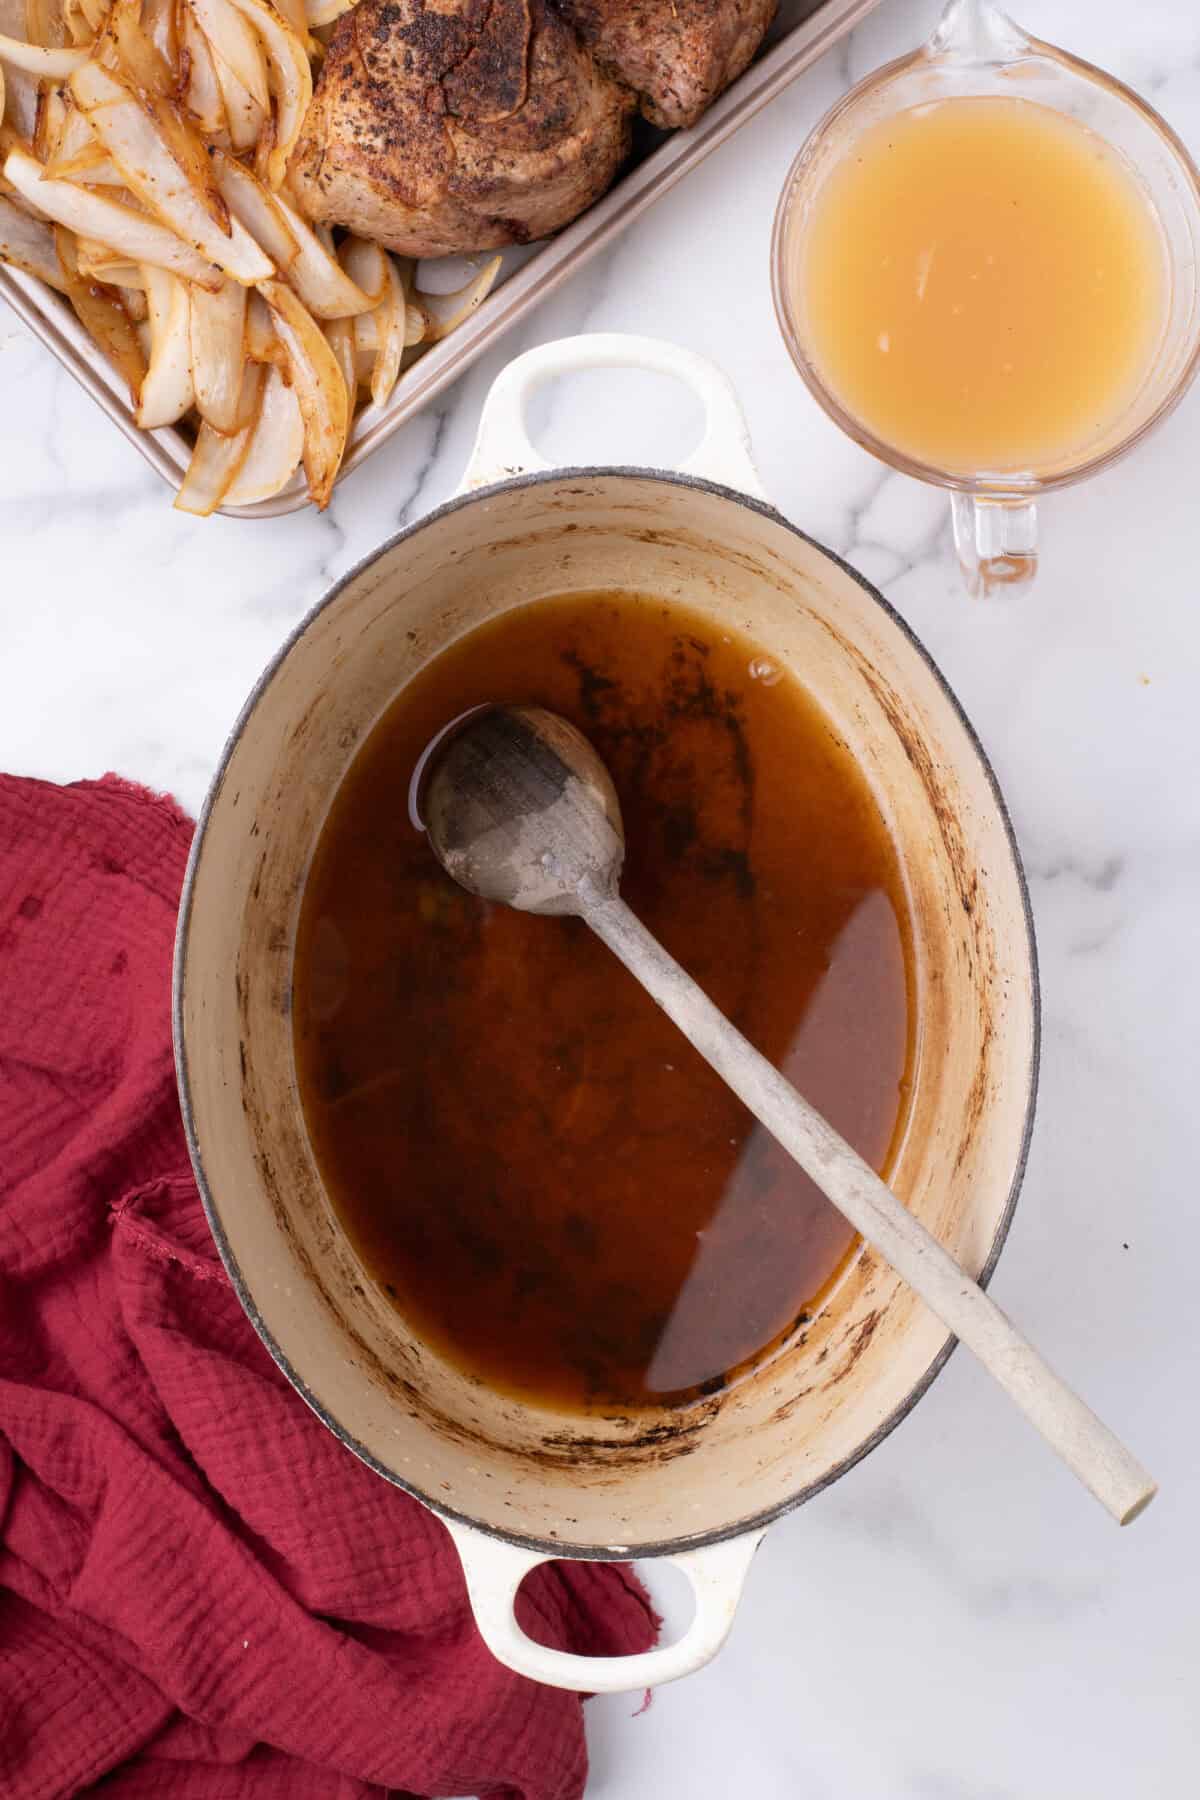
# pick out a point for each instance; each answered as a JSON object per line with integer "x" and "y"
{"x": 677, "y": 55}
{"x": 461, "y": 125}
{"x": 458, "y": 125}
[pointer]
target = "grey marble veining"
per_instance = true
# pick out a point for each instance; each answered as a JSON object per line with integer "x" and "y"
{"x": 955, "y": 1620}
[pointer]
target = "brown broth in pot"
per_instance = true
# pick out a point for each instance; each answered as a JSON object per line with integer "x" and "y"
{"x": 545, "y": 1179}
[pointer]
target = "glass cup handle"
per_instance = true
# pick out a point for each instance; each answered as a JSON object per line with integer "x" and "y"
{"x": 996, "y": 540}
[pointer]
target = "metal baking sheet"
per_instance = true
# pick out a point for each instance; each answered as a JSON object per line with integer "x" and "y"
{"x": 802, "y": 33}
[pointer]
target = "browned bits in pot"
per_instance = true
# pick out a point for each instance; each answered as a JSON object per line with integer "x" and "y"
{"x": 536, "y": 1168}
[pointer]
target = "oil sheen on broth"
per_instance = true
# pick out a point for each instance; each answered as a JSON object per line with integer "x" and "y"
{"x": 547, "y": 1181}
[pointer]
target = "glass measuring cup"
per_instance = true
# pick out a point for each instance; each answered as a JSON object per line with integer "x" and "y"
{"x": 977, "y": 50}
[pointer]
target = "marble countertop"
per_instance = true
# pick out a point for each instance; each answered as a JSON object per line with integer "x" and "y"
{"x": 955, "y": 1620}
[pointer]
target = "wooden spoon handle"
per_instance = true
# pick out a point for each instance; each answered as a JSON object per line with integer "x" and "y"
{"x": 1070, "y": 1428}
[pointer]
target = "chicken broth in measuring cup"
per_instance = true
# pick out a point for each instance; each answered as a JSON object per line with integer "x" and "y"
{"x": 533, "y": 1165}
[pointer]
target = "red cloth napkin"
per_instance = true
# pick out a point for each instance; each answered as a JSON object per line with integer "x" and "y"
{"x": 202, "y": 1594}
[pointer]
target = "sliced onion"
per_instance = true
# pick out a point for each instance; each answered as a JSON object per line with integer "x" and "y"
{"x": 234, "y": 44}
{"x": 202, "y": 90}
{"x": 79, "y": 27}
{"x": 219, "y": 353}
{"x": 141, "y": 152}
{"x": 364, "y": 262}
{"x": 293, "y": 246}
{"x": 205, "y": 283}
{"x": 95, "y": 258}
{"x": 29, "y": 244}
{"x": 20, "y": 104}
{"x": 103, "y": 172}
{"x": 47, "y": 65}
{"x": 154, "y": 74}
{"x": 52, "y": 112}
{"x": 118, "y": 275}
{"x": 324, "y": 12}
{"x": 294, "y": 16}
{"x": 263, "y": 148}
{"x": 248, "y": 403}
{"x": 160, "y": 21}
{"x": 90, "y": 163}
{"x": 21, "y": 98}
{"x": 372, "y": 268}
{"x": 323, "y": 285}
{"x": 318, "y": 385}
{"x": 130, "y": 233}
{"x": 289, "y": 78}
{"x": 100, "y": 263}
{"x": 217, "y": 459}
{"x": 101, "y": 314}
{"x": 135, "y": 51}
{"x": 193, "y": 158}
{"x": 415, "y": 324}
{"x": 339, "y": 334}
{"x": 43, "y": 24}
{"x": 133, "y": 299}
{"x": 245, "y": 118}
{"x": 262, "y": 345}
{"x": 275, "y": 449}
{"x": 167, "y": 391}
{"x": 390, "y": 318}
{"x": 444, "y": 312}
{"x": 251, "y": 204}
{"x": 155, "y": 83}
{"x": 77, "y": 147}
{"x": 81, "y": 156}
{"x": 11, "y": 139}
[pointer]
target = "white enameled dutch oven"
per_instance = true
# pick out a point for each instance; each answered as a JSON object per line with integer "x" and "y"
{"x": 517, "y": 1486}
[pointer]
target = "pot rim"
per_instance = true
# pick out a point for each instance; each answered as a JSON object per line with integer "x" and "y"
{"x": 552, "y": 1548}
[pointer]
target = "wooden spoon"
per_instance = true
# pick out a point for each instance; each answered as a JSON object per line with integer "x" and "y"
{"x": 519, "y": 808}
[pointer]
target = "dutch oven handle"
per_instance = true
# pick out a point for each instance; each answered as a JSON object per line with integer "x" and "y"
{"x": 503, "y": 448}
{"x": 495, "y": 1570}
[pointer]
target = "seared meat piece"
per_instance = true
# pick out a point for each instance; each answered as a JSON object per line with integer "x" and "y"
{"x": 456, "y": 125}
{"x": 677, "y": 55}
